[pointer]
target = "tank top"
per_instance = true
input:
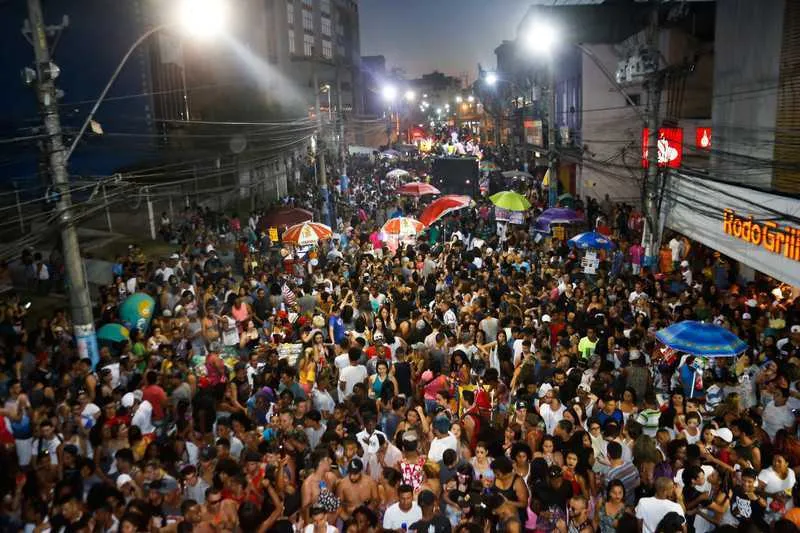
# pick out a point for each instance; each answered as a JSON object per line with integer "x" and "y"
{"x": 511, "y": 495}
{"x": 239, "y": 313}
{"x": 412, "y": 473}
{"x": 377, "y": 385}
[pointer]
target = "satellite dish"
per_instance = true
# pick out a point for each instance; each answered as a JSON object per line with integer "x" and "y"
{"x": 238, "y": 144}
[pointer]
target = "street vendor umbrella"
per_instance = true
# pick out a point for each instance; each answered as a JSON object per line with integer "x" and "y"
{"x": 556, "y": 215}
{"x": 287, "y": 216}
{"x": 566, "y": 200}
{"x": 443, "y": 206}
{"x": 591, "y": 240}
{"x": 699, "y": 338}
{"x": 113, "y": 333}
{"x": 403, "y": 226}
{"x": 396, "y": 173}
{"x": 417, "y": 189}
{"x": 510, "y": 201}
{"x": 517, "y": 174}
{"x": 307, "y": 233}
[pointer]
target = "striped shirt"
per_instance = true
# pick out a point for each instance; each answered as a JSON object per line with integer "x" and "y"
{"x": 628, "y": 474}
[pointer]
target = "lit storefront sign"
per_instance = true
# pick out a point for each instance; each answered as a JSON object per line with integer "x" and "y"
{"x": 670, "y": 147}
{"x": 533, "y": 132}
{"x": 778, "y": 240}
{"x": 702, "y": 138}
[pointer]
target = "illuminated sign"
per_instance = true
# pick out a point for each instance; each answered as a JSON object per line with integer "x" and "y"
{"x": 702, "y": 138}
{"x": 778, "y": 240}
{"x": 670, "y": 147}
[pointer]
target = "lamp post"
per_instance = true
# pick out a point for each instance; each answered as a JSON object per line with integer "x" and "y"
{"x": 195, "y": 13}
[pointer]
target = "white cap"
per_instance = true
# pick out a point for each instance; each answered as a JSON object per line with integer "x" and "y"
{"x": 684, "y": 263}
{"x": 544, "y": 389}
{"x": 746, "y": 316}
{"x": 751, "y": 303}
{"x": 724, "y": 434}
{"x": 123, "y": 479}
{"x": 795, "y": 329}
{"x": 546, "y": 318}
{"x": 777, "y": 293}
{"x": 127, "y": 400}
{"x": 174, "y": 256}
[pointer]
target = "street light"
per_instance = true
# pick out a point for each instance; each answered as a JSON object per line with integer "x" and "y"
{"x": 541, "y": 38}
{"x": 409, "y": 96}
{"x": 491, "y": 78}
{"x": 470, "y": 99}
{"x": 459, "y": 99}
{"x": 389, "y": 93}
{"x": 194, "y": 16}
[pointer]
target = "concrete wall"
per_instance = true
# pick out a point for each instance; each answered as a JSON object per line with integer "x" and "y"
{"x": 746, "y": 70}
{"x": 611, "y": 130}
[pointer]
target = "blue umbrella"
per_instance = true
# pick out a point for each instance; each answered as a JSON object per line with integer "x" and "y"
{"x": 556, "y": 215}
{"x": 699, "y": 338}
{"x": 592, "y": 240}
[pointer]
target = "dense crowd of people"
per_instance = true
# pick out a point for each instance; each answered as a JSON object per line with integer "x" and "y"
{"x": 471, "y": 380}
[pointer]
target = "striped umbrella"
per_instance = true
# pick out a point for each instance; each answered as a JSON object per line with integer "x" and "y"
{"x": 307, "y": 233}
{"x": 403, "y": 227}
{"x": 443, "y": 206}
{"x": 417, "y": 189}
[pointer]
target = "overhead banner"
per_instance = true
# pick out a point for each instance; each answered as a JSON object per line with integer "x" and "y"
{"x": 756, "y": 228}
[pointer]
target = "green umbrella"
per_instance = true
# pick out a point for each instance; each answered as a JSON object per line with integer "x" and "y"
{"x": 113, "y": 332}
{"x": 566, "y": 200}
{"x": 510, "y": 200}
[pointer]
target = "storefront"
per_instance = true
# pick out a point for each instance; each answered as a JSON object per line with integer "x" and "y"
{"x": 758, "y": 229}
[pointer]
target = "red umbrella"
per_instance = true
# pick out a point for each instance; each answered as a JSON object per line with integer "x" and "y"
{"x": 442, "y": 206}
{"x": 403, "y": 226}
{"x": 307, "y": 233}
{"x": 417, "y": 189}
{"x": 287, "y": 216}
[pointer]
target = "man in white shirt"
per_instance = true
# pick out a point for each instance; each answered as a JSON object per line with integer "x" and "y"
{"x": 142, "y": 411}
{"x": 777, "y": 414}
{"x": 638, "y": 292}
{"x": 676, "y": 247}
{"x": 443, "y": 439}
{"x": 551, "y": 410}
{"x": 650, "y": 511}
{"x": 686, "y": 273}
{"x": 351, "y": 375}
{"x": 405, "y": 511}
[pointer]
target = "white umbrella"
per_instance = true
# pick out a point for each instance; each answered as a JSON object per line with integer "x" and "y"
{"x": 397, "y": 173}
{"x": 517, "y": 174}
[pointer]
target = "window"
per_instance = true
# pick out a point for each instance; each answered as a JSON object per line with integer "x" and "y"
{"x": 325, "y": 6}
{"x": 308, "y": 21}
{"x": 290, "y": 14}
{"x": 292, "y": 45}
{"x": 326, "y": 26}
{"x": 308, "y": 4}
{"x": 308, "y": 45}
{"x": 327, "y": 49}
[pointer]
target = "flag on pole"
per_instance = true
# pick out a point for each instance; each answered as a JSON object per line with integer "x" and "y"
{"x": 546, "y": 179}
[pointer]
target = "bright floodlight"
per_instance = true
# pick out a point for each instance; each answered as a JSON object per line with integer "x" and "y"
{"x": 439, "y": 110}
{"x": 541, "y": 38}
{"x": 447, "y": 106}
{"x": 203, "y": 17}
{"x": 459, "y": 99}
{"x": 491, "y": 78}
{"x": 470, "y": 99}
{"x": 410, "y": 95}
{"x": 389, "y": 92}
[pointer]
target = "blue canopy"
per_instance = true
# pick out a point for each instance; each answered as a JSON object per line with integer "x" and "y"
{"x": 699, "y": 338}
{"x": 591, "y": 240}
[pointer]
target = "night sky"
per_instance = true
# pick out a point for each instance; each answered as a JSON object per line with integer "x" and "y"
{"x": 451, "y": 36}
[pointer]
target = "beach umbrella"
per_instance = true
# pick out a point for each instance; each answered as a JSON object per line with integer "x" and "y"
{"x": 443, "y": 206}
{"x": 287, "y": 216}
{"x": 517, "y": 174}
{"x": 137, "y": 311}
{"x": 556, "y": 215}
{"x": 113, "y": 333}
{"x": 702, "y": 339}
{"x": 591, "y": 240}
{"x": 396, "y": 173}
{"x": 307, "y": 233}
{"x": 510, "y": 201}
{"x": 417, "y": 189}
{"x": 403, "y": 226}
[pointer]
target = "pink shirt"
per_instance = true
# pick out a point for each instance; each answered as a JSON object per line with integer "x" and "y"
{"x": 636, "y": 251}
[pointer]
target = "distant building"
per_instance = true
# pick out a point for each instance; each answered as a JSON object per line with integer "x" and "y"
{"x": 373, "y": 74}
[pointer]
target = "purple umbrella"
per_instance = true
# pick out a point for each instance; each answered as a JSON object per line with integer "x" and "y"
{"x": 556, "y": 215}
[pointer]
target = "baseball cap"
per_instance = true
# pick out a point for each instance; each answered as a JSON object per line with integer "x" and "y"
{"x": 127, "y": 400}
{"x": 724, "y": 434}
{"x": 355, "y": 466}
{"x": 546, "y": 318}
{"x": 795, "y": 329}
{"x": 123, "y": 479}
{"x": 684, "y": 263}
{"x": 746, "y": 316}
{"x": 520, "y": 405}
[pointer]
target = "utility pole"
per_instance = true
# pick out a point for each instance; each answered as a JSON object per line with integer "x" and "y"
{"x": 80, "y": 302}
{"x": 651, "y": 238}
{"x": 552, "y": 124}
{"x": 322, "y": 180}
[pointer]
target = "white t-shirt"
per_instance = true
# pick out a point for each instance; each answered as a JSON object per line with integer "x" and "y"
{"x": 772, "y": 483}
{"x": 395, "y": 517}
{"x": 651, "y": 510}
{"x": 550, "y": 417}
{"x": 310, "y": 529}
{"x": 439, "y": 445}
{"x": 675, "y": 246}
{"x": 342, "y": 360}
{"x": 707, "y": 470}
{"x": 351, "y": 376}
{"x": 776, "y": 418}
{"x": 143, "y": 418}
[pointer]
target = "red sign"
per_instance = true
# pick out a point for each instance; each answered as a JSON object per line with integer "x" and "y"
{"x": 670, "y": 147}
{"x": 702, "y": 138}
